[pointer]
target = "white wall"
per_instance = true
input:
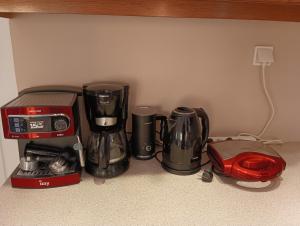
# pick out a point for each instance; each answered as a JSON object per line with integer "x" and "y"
{"x": 9, "y": 156}
{"x": 169, "y": 62}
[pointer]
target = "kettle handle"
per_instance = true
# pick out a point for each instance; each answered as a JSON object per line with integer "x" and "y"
{"x": 104, "y": 151}
{"x": 205, "y": 125}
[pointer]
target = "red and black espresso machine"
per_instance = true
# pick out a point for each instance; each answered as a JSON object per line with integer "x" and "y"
{"x": 46, "y": 123}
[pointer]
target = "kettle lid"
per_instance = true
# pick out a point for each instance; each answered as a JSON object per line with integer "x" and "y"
{"x": 183, "y": 111}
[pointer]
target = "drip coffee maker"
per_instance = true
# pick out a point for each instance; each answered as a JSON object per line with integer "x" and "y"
{"x": 106, "y": 106}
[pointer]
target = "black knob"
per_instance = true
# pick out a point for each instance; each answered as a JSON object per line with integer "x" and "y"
{"x": 60, "y": 123}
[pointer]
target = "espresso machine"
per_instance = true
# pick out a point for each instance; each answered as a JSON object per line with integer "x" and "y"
{"x": 106, "y": 106}
{"x": 46, "y": 123}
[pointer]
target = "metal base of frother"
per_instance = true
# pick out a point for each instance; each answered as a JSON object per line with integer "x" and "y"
{"x": 143, "y": 157}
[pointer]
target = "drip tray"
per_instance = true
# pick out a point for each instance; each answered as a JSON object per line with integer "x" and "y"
{"x": 43, "y": 172}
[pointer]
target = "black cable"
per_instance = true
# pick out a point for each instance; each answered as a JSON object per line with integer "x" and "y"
{"x": 157, "y": 143}
{"x": 155, "y": 156}
{"x": 217, "y": 172}
{"x": 204, "y": 164}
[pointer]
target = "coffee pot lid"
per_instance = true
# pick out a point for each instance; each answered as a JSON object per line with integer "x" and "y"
{"x": 103, "y": 87}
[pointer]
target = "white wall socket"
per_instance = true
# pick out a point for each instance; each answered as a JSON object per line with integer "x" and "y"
{"x": 263, "y": 55}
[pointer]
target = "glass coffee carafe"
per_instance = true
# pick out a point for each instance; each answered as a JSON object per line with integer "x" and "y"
{"x": 106, "y": 148}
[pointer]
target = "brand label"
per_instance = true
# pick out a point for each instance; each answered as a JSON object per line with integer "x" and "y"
{"x": 148, "y": 148}
{"x": 44, "y": 183}
{"x": 35, "y": 111}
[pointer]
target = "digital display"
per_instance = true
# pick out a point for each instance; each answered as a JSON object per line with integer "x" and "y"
{"x": 30, "y": 124}
{"x": 36, "y": 125}
{"x": 39, "y": 124}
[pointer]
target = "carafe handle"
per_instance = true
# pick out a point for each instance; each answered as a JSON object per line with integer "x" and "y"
{"x": 205, "y": 125}
{"x": 163, "y": 126}
{"x": 104, "y": 151}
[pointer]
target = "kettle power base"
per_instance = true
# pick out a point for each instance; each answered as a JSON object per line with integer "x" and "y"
{"x": 112, "y": 170}
{"x": 180, "y": 172}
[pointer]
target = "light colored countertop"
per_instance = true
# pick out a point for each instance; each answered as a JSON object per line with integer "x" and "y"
{"x": 147, "y": 195}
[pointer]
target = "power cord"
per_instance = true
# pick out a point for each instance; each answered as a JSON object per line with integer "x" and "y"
{"x": 155, "y": 156}
{"x": 204, "y": 164}
{"x": 271, "y": 105}
{"x": 269, "y": 99}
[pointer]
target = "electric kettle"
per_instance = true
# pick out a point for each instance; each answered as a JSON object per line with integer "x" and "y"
{"x": 184, "y": 135}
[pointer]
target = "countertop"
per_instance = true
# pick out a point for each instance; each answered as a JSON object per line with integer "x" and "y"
{"x": 147, "y": 195}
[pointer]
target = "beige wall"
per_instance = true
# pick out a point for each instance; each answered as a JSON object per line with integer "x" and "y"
{"x": 9, "y": 155}
{"x": 169, "y": 62}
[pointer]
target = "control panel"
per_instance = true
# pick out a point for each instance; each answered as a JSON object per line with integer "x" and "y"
{"x": 38, "y": 123}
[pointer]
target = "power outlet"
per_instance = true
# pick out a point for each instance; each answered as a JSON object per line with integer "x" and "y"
{"x": 263, "y": 55}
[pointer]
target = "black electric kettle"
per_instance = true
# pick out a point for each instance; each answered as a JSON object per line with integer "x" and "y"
{"x": 184, "y": 135}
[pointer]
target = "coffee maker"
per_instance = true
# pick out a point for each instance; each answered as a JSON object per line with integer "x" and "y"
{"x": 106, "y": 105}
{"x": 46, "y": 123}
